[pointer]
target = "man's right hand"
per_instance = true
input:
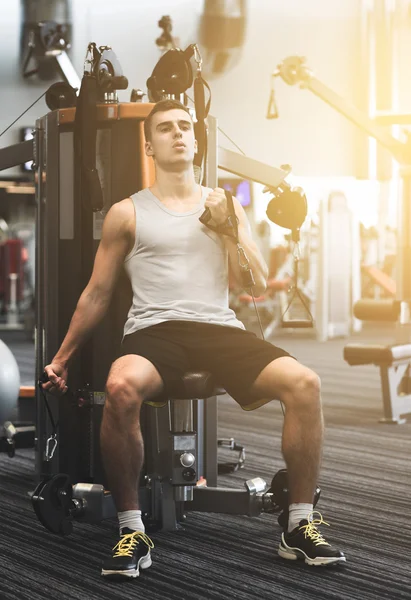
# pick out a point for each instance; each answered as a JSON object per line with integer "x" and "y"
{"x": 57, "y": 384}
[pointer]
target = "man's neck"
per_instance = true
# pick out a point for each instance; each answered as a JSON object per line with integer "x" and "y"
{"x": 174, "y": 185}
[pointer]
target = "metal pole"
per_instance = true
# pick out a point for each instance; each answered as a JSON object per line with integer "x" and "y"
{"x": 403, "y": 277}
{"x": 182, "y": 411}
{"x": 404, "y": 237}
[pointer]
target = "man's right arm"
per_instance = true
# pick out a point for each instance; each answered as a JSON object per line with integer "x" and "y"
{"x": 89, "y": 312}
{"x": 95, "y": 299}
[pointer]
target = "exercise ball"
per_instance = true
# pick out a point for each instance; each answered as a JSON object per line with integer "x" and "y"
{"x": 9, "y": 383}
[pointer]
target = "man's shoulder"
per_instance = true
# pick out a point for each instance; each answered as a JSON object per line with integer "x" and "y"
{"x": 142, "y": 193}
{"x": 122, "y": 206}
{"x": 127, "y": 203}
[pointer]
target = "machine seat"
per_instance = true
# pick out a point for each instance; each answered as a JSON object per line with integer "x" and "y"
{"x": 196, "y": 384}
{"x": 374, "y": 354}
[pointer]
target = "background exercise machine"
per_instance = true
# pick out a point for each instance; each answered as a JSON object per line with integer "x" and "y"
{"x": 394, "y": 360}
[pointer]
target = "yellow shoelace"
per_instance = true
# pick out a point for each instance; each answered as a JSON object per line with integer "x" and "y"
{"x": 128, "y": 542}
{"x": 311, "y": 531}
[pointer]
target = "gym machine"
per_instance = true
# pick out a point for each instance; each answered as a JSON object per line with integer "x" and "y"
{"x": 73, "y": 196}
{"x": 394, "y": 360}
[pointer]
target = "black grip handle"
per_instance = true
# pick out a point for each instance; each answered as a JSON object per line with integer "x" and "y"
{"x": 205, "y": 217}
{"x": 44, "y": 378}
{"x": 297, "y": 324}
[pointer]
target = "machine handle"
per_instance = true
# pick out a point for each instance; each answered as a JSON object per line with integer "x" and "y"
{"x": 205, "y": 217}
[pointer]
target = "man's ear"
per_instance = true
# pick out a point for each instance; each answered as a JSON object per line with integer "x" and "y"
{"x": 195, "y": 147}
{"x": 148, "y": 149}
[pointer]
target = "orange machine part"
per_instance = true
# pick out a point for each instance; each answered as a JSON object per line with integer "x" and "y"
{"x": 26, "y": 392}
{"x": 110, "y": 112}
{"x": 147, "y": 163}
{"x": 114, "y": 112}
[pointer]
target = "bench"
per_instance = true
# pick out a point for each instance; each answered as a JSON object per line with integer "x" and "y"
{"x": 394, "y": 363}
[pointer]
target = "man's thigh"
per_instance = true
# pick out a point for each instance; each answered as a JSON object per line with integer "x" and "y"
{"x": 279, "y": 377}
{"x": 158, "y": 346}
{"x": 236, "y": 358}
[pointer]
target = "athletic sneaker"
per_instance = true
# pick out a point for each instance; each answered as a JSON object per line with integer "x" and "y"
{"x": 130, "y": 554}
{"x": 306, "y": 543}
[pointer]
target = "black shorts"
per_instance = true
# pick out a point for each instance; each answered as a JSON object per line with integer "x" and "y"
{"x": 234, "y": 356}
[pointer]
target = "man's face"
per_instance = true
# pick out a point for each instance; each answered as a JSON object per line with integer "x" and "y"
{"x": 172, "y": 138}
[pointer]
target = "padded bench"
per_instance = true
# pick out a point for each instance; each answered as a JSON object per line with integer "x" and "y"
{"x": 394, "y": 363}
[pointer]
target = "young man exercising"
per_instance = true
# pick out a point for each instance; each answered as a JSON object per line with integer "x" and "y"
{"x": 180, "y": 321}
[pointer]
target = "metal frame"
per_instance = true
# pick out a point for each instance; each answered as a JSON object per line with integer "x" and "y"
{"x": 237, "y": 164}
{"x": 395, "y": 402}
{"x": 394, "y": 363}
{"x": 16, "y": 154}
{"x": 167, "y": 501}
{"x": 67, "y": 69}
{"x": 47, "y": 270}
{"x": 249, "y": 168}
{"x": 326, "y": 323}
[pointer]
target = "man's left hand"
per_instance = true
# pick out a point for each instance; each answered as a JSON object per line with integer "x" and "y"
{"x": 216, "y": 202}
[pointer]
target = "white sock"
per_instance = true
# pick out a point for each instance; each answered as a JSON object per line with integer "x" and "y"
{"x": 296, "y": 513}
{"x": 130, "y": 519}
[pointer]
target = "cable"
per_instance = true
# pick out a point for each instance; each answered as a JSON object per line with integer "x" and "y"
{"x": 257, "y": 313}
{"x": 262, "y": 333}
{"x": 238, "y": 147}
{"x": 53, "y": 423}
{"x": 23, "y": 113}
{"x": 223, "y": 132}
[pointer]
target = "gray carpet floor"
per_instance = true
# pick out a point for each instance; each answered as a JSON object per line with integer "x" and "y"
{"x": 365, "y": 482}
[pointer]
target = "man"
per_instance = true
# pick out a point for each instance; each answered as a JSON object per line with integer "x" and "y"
{"x": 179, "y": 321}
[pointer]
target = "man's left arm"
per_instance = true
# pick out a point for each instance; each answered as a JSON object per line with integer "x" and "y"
{"x": 256, "y": 261}
{"x": 216, "y": 202}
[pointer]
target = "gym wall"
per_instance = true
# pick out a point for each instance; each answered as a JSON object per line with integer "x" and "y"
{"x": 326, "y": 31}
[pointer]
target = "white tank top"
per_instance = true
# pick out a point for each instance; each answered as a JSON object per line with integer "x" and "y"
{"x": 178, "y": 268}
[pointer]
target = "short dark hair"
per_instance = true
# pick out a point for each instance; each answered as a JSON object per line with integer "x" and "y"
{"x": 161, "y": 106}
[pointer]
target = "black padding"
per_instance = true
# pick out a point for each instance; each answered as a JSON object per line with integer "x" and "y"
{"x": 368, "y": 309}
{"x": 196, "y": 384}
{"x": 374, "y": 354}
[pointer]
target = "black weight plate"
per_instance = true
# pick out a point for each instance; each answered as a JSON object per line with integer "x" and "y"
{"x": 52, "y": 500}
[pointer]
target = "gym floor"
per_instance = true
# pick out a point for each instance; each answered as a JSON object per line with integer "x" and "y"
{"x": 365, "y": 484}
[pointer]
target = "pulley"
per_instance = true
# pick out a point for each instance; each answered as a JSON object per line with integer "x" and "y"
{"x": 172, "y": 75}
{"x": 108, "y": 71}
{"x": 288, "y": 208}
{"x": 60, "y": 95}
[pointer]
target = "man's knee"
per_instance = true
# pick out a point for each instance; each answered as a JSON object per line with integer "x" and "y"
{"x": 130, "y": 383}
{"x": 123, "y": 391}
{"x": 304, "y": 389}
{"x": 310, "y": 382}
